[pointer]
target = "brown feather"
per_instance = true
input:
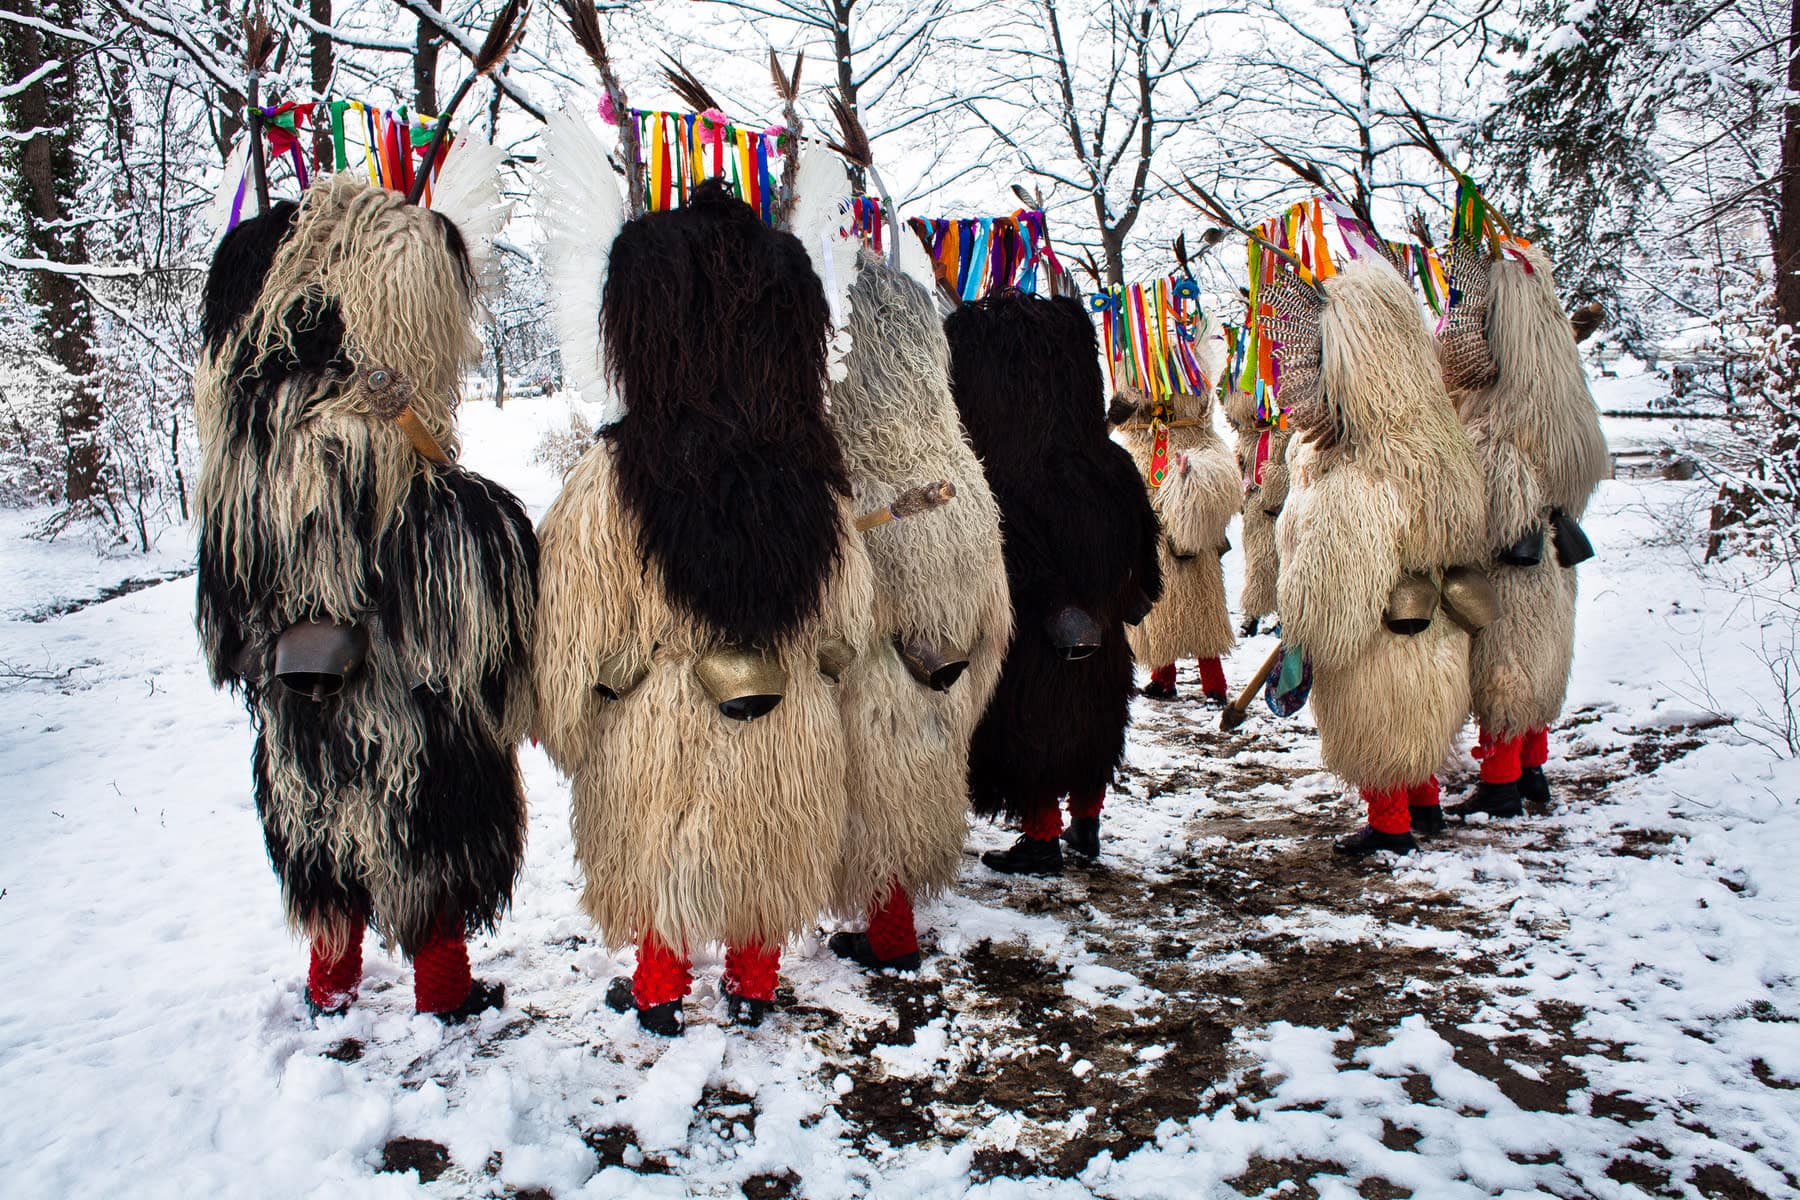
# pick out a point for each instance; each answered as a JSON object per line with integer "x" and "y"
{"x": 508, "y": 27}
{"x": 683, "y": 83}
{"x": 259, "y": 38}
{"x": 854, "y": 143}
{"x": 584, "y": 24}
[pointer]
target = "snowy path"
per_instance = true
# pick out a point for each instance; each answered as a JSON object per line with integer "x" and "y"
{"x": 1602, "y": 1001}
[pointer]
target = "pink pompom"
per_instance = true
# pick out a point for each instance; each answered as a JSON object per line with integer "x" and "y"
{"x": 608, "y": 113}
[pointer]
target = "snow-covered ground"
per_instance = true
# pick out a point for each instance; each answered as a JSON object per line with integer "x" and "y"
{"x": 1603, "y": 1000}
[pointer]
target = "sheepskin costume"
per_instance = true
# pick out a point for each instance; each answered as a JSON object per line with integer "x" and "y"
{"x": 1082, "y": 559}
{"x": 1537, "y": 435}
{"x": 1262, "y": 467}
{"x": 1196, "y": 501}
{"x": 940, "y": 599}
{"x": 700, "y": 565}
{"x": 395, "y": 802}
{"x": 1383, "y": 484}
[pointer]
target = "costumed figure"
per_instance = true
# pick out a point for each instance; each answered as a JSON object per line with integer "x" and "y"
{"x": 1511, "y": 363}
{"x": 1262, "y": 439}
{"x": 703, "y": 588}
{"x": 1165, "y": 358}
{"x": 1383, "y": 515}
{"x": 1082, "y": 558}
{"x": 943, "y": 617}
{"x": 369, "y": 598}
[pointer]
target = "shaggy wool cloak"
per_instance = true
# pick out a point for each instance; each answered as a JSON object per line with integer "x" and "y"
{"x": 1396, "y": 490}
{"x": 1196, "y": 505}
{"x": 1537, "y": 434}
{"x": 398, "y": 800}
{"x": 715, "y": 514}
{"x": 940, "y": 581}
{"x": 1261, "y": 503}
{"x": 1078, "y": 530}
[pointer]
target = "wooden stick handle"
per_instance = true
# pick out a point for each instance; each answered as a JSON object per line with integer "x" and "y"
{"x": 1238, "y": 709}
{"x": 909, "y": 503}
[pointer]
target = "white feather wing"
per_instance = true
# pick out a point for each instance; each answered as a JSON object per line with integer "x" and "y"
{"x": 581, "y": 211}
{"x": 467, "y": 193}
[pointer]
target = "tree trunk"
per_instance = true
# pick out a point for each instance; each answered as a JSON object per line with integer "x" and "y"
{"x": 425, "y": 63}
{"x": 45, "y": 178}
{"x": 320, "y": 11}
{"x": 1787, "y": 238}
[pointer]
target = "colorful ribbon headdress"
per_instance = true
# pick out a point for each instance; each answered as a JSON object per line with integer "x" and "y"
{"x": 975, "y": 256}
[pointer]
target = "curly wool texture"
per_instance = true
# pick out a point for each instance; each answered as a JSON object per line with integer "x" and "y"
{"x": 398, "y": 798}
{"x": 713, "y": 515}
{"x": 939, "y": 578}
{"x": 1537, "y": 433}
{"x": 1399, "y": 491}
{"x": 1192, "y": 619}
{"x": 1261, "y": 504}
{"x": 1078, "y": 530}
{"x": 715, "y": 333}
{"x": 688, "y": 825}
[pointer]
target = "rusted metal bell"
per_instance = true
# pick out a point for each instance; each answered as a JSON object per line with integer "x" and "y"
{"x": 835, "y": 657}
{"x": 1074, "y": 632}
{"x": 931, "y": 665}
{"x": 1470, "y": 598}
{"x": 1139, "y": 607}
{"x": 1572, "y": 545}
{"x": 745, "y": 684}
{"x": 1411, "y": 604}
{"x": 618, "y": 675}
{"x": 1526, "y": 551}
{"x": 314, "y": 658}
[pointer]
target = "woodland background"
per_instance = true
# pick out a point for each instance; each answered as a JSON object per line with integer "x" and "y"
{"x": 1653, "y": 145}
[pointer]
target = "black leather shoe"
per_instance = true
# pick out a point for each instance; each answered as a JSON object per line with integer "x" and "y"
{"x": 855, "y": 947}
{"x": 1427, "y": 819}
{"x": 1494, "y": 799}
{"x": 483, "y": 995}
{"x": 1083, "y": 836}
{"x": 1027, "y": 856}
{"x": 664, "y": 1019}
{"x": 746, "y": 1010}
{"x": 1369, "y": 840}
{"x": 1533, "y": 787}
{"x": 1156, "y": 691}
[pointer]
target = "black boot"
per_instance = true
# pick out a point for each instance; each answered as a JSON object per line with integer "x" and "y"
{"x": 1369, "y": 840}
{"x": 1249, "y": 628}
{"x": 746, "y": 1010}
{"x": 1427, "y": 819}
{"x": 855, "y": 947}
{"x": 315, "y": 1010}
{"x": 1494, "y": 799}
{"x": 664, "y": 1019}
{"x": 483, "y": 995}
{"x": 1083, "y": 836}
{"x": 1027, "y": 856}
{"x": 1156, "y": 691}
{"x": 1533, "y": 787}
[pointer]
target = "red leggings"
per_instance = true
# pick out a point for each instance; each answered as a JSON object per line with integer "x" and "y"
{"x": 663, "y": 975}
{"x": 1390, "y": 809}
{"x": 440, "y": 971}
{"x": 892, "y": 929}
{"x": 1045, "y": 824}
{"x": 1501, "y": 760}
{"x": 1212, "y": 676}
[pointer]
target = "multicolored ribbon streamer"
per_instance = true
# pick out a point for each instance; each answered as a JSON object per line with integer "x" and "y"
{"x": 976, "y": 256}
{"x": 386, "y": 141}
{"x": 682, "y": 150}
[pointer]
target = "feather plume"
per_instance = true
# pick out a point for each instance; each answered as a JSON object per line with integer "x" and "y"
{"x": 468, "y": 195}
{"x": 853, "y": 141}
{"x": 507, "y": 28}
{"x": 584, "y": 24}
{"x": 1209, "y": 204}
{"x": 685, "y": 84}
{"x": 259, "y": 38}
{"x": 786, "y": 86}
{"x": 581, "y": 213}
{"x": 789, "y": 88}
